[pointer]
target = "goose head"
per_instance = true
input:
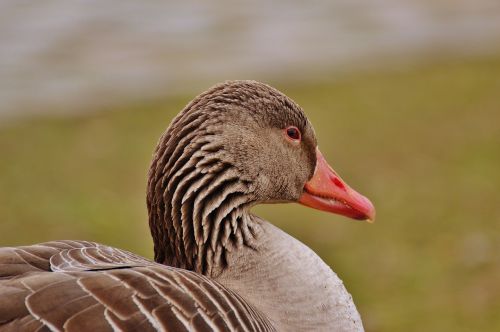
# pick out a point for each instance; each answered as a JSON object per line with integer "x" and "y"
{"x": 238, "y": 144}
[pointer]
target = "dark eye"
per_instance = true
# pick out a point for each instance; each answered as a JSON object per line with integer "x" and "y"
{"x": 293, "y": 133}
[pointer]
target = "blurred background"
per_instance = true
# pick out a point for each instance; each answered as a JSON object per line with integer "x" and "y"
{"x": 404, "y": 97}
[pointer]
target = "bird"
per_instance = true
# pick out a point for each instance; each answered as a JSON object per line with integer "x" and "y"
{"x": 217, "y": 266}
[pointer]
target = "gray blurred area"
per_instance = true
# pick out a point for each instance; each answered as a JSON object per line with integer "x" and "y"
{"x": 69, "y": 56}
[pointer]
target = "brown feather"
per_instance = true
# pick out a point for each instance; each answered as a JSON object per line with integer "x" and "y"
{"x": 99, "y": 288}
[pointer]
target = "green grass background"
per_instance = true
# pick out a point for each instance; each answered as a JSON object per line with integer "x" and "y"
{"x": 422, "y": 142}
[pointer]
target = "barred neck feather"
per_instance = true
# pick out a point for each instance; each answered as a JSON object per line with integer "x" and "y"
{"x": 197, "y": 200}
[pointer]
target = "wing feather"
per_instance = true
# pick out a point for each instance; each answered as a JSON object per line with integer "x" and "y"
{"x": 84, "y": 286}
{"x": 90, "y": 319}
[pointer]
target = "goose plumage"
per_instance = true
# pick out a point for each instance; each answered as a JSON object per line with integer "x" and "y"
{"x": 217, "y": 266}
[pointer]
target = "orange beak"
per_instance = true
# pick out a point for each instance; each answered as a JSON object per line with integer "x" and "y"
{"x": 326, "y": 191}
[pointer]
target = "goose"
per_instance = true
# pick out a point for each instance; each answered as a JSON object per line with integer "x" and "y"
{"x": 217, "y": 266}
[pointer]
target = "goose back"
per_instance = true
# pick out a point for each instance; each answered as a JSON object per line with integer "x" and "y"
{"x": 79, "y": 285}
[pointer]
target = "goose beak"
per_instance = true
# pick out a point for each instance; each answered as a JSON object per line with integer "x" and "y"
{"x": 326, "y": 191}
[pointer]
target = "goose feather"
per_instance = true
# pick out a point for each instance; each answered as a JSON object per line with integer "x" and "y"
{"x": 79, "y": 285}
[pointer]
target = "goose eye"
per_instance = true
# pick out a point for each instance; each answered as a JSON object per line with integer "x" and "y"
{"x": 293, "y": 133}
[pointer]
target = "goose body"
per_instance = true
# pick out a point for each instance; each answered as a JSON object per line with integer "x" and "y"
{"x": 85, "y": 286}
{"x": 217, "y": 266}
